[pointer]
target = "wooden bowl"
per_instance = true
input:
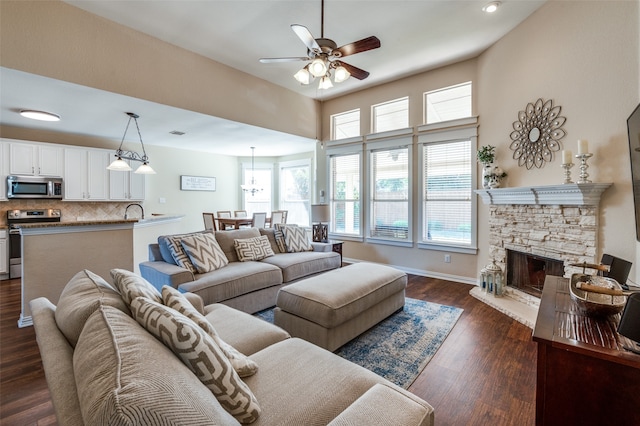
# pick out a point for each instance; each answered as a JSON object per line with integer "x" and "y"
{"x": 596, "y": 304}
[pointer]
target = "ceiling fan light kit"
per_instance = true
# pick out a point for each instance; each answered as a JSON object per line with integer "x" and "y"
{"x": 324, "y": 55}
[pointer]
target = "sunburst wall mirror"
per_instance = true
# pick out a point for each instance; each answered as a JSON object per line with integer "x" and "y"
{"x": 537, "y": 133}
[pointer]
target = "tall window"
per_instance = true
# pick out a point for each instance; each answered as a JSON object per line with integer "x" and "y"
{"x": 345, "y": 187}
{"x": 345, "y": 125}
{"x": 390, "y": 189}
{"x": 449, "y": 103}
{"x": 295, "y": 182}
{"x": 447, "y": 208}
{"x": 390, "y": 115}
{"x": 260, "y": 201}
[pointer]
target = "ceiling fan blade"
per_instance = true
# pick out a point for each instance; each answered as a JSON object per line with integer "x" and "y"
{"x": 355, "y": 72}
{"x": 305, "y": 35}
{"x": 290, "y": 59}
{"x": 363, "y": 45}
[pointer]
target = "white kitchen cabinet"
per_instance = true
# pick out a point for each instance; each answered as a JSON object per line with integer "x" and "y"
{"x": 4, "y": 251}
{"x": 126, "y": 185}
{"x": 35, "y": 159}
{"x": 3, "y": 171}
{"x": 86, "y": 177}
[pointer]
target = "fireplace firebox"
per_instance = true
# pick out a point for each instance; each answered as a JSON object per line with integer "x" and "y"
{"x": 527, "y": 272}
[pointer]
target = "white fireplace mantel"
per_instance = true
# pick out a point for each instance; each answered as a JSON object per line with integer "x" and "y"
{"x": 572, "y": 194}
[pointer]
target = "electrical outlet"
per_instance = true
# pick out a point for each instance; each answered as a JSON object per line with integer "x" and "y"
{"x": 162, "y": 200}
{"x": 447, "y": 258}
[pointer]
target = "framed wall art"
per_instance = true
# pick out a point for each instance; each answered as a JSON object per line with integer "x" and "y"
{"x": 197, "y": 183}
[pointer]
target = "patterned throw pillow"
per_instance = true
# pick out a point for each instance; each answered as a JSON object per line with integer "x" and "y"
{"x": 181, "y": 258}
{"x": 296, "y": 240}
{"x": 176, "y": 300}
{"x": 131, "y": 285}
{"x": 204, "y": 252}
{"x": 201, "y": 354}
{"x": 279, "y": 236}
{"x": 253, "y": 248}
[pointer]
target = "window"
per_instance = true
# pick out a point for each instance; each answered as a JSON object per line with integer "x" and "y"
{"x": 448, "y": 205}
{"x": 260, "y": 201}
{"x": 344, "y": 172}
{"x": 390, "y": 188}
{"x": 295, "y": 182}
{"x": 449, "y": 103}
{"x": 390, "y": 115}
{"x": 345, "y": 125}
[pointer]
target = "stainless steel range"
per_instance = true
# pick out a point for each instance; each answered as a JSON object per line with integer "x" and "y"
{"x": 16, "y": 217}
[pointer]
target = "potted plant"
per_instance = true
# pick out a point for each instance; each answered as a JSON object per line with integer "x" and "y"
{"x": 492, "y": 175}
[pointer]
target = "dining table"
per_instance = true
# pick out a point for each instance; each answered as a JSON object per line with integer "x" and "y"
{"x": 234, "y": 222}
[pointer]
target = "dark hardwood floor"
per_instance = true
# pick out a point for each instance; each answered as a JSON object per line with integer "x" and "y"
{"x": 483, "y": 374}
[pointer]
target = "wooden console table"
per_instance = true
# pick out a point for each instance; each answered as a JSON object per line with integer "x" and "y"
{"x": 584, "y": 375}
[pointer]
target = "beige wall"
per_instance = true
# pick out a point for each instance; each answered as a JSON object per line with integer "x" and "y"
{"x": 582, "y": 55}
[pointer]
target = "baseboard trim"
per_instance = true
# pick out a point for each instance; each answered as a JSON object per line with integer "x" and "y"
{"x": 423, "y": 273}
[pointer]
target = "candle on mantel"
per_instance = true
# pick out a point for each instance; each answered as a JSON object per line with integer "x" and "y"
{"x": 566, "y": 157}
{"x": 583, "y": 146}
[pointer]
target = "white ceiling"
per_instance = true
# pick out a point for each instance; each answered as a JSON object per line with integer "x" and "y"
{"x": 416, "y": 35}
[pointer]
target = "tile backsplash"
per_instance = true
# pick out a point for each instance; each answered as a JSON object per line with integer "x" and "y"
{"x": 72, "y": 211}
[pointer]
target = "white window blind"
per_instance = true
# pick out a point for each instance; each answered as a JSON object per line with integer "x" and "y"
{"x": 345, "y": 125}
{"x": 448, "y": 103}
{"x": 345, "y": 176}
{"x": 390, "y": 193}
{"x": 447, "y": 184}
{"x": 295, "y": 181}
{"x": 391, "y": 115}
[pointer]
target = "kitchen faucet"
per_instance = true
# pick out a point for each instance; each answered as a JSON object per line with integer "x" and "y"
{"x": 134, "y": 204}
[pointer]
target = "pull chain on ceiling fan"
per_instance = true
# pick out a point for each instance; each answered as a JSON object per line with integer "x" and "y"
{"x": 324, "y": 56}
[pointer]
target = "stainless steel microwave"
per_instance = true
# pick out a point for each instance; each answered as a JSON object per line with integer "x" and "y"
{"x": 34, "y": 187}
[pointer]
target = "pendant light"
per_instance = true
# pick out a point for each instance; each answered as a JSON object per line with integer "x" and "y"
{"x": 122, "y": 166}
{"x": 252, "y": 187}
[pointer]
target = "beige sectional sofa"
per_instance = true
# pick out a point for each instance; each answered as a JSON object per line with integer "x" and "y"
{"x": 249, "y": 286}
{"x": 105, "y": 366}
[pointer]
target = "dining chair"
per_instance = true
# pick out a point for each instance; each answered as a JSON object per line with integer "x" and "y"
{"x": 277, "y": 216}
{"x": 209, "y": 221}
{"x": 224, "y": 214}
{"x": 240, "y": 213}
{"x": 259, "y": 220}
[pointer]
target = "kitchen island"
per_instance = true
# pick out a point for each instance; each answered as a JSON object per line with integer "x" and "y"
{"x": 54, "y": 252}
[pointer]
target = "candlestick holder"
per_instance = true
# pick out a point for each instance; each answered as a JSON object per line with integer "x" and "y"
{"x": 567, "y": 172}
{"x": 583, "y": 167}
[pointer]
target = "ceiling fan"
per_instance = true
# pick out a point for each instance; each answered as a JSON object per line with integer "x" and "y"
{"x": 324, "y": 56}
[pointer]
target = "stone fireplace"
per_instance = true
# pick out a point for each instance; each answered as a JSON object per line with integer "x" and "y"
{"x": 541, "y": 230}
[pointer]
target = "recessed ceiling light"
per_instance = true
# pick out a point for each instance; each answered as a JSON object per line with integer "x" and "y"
{"x": 39, "y": 115}
{"x": 491, "y": 7}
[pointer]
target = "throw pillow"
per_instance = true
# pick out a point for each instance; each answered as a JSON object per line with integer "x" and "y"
{"x": 253, "y": 248}
{"x": 201, "y": 354}
{"x": 164, "y": 241}
{"x": 204, "y": 252}
{"x": 279, "y": 236}
{"x": 296, "y": 240}
{"x": 132, "y": 285}
{"x": 176, "y": 300}
{"x": 179, "y": 255}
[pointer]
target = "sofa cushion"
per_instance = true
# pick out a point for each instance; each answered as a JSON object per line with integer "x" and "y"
{"x": 80, "y": 298}
{"x": 201, "y": 354}
{"x": 226, "y": 240}
{"x": 116, "y": 367}
{"x": 132, "y": 285}
{"x": 299, "y": 265}
{"x": 204, "y": 252}
{"x": 270, "y": 233}
{"x": 176, "y": 300}
{"x": 255, "y": 248}
{"x": 296, "y": 240}
{"x": 235, "y": 279}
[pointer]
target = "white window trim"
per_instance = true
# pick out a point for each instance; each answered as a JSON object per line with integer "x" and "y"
{"x": 332, "y": 121}
{"x": 302, "y": 162}
{"x": 464, "y": 129}
{"x": 424, "y": 100}
{"x": 348, "y": 146}
{"x": 373, "y": 114}
{"x": 397, "y": 142}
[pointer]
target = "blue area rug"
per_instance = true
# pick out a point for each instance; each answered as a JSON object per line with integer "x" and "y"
{"x": 399, "y": 347}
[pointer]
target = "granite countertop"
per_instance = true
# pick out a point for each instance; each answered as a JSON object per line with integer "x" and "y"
{"x": 134, "y": 221}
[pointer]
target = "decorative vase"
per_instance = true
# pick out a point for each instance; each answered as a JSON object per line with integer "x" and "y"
{"x": 492, "y": 176}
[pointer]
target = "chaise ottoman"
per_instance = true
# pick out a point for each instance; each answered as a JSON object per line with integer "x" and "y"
{"x": 332, "y": 308}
